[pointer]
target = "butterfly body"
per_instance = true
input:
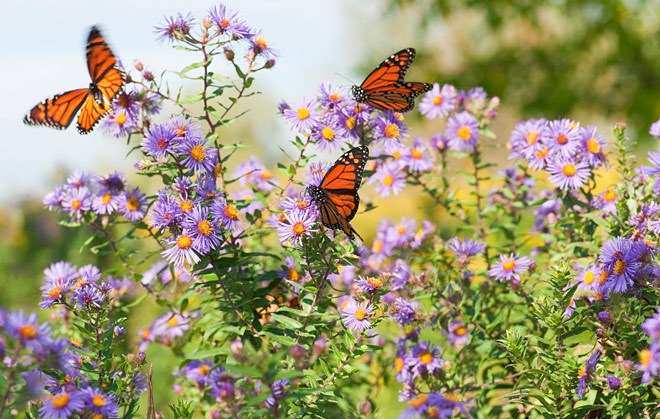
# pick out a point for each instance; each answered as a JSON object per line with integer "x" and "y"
{"x": 385, "y": 88}
{"x": 336, "y": 197}
{"x": 93, "y": 102}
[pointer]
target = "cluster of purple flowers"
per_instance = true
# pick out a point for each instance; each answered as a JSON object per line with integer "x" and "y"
{"x": 75, "y": 393}
{"x": 649, "y": 358}
{"x": 392, "y": 236}
{"x": 166, "y": 329}
{"x": 124, "y": 119}
{"x": 84, "y": 193}
{"x": 296, "y": 218}
{"x": 567, "y": 151}
{"x": 66, "y": 284}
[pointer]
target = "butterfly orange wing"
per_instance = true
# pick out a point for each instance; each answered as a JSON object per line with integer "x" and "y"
{"x": 103, "y": 67}
{"x": 90, "y": 114}
{"x": 342, "y": 181}
{"x": 390, "y": 71}
{"x": 59, "y": 111}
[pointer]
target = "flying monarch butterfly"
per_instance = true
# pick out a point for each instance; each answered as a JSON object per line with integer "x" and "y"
{"x": 336, "y": 197}
{"x": 384, "y": 87}
{"x": 93, "y": 102}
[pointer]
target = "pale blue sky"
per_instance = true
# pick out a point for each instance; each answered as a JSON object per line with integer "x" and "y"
{"x": 42, "y": 49}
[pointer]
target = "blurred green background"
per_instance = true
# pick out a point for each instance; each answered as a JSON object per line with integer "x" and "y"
{"x": 594, "y": 61}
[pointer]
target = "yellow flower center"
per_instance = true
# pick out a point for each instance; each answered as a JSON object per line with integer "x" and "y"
{"x": 425, "y": 358}
{"x": 360, "y": 314}
{"x": 261, "y": 43}
{"x": 55, "y": 292}
{"x": 335, "y": 97}
{"x": 561, "y": 139}
{"x": 620, "y": 267}
{"x": 388, "y": 180}
{"x": 121, "y": 118}
{"x": 581, "y": 371}
{"x": 417, "y": 401}
{"x": 569, "y": 170}
{"x": 293, "y": 275}
{"x": 437, "y": 100}
{"x": 231, "y": 212}
{"x": 146, "y": 333}
{"x": 464, "y": 133}
{"x": 224, "y": 23}
{"x": 217, "y": 169}
{"x": 416, "y": 154}
{"x": 460, "y": 331}
{"x": 419, "y": 234}
{"x": 172, "y": 322}
{"x": 396, "y": 155}
{"x": 541, "y": 154}
{"x": 98, "y": 400}
{"x": 452, "y": 397}
{"x": 198, "y": 153}
{"x": 375, "y": 282}
{"x": 589, "y": 278}
{"x": 204, "y": 369}
{"x": 205, "y": 227}
{"x": 350, "y": 122}
{"x": 328, "y": 134}
{"x": 509, "y": 265}
{"x": 303, "y": 114}
{"x": 398, "y": 363}
{"x": 266, "y": 175}
{"x": 106, "y": 198}
{"x": 532, "y": 137}
{"x": 610, "y": 195}
{"x": 27, "y": 332}
{"x": 184, "y": 242}
{"x": 645, "y": 357}
{"x": 603, "y": 276}
{"x": 75, "y": 204}
{"x": 392, "y": 131}
{"x": 598, "y": 295}
{"x": 61, "y": 401}
{"x": 299, "y": 228}
{"x": 132, "y": 204}
{"x": 185, "y": 206}
{"x": 593, "y": 146}
{"x": 377, "y": 246}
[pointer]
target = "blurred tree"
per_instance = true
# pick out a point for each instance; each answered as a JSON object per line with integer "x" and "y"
{"x": 547, "y": 57}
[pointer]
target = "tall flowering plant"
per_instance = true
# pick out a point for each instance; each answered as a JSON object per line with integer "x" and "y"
{"x": 528, "y": 292}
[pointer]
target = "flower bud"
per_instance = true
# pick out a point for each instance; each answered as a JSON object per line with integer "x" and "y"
{"x": 270, "y": 63}
{"x": 627, "y": 365}
{"x": 515, "y": 284}
{"x": 229, "y": 54}
{"x": 599, "y": 332}
{"x": 141, "y": 357}
{"x": 138, "y": 65}
{"x": 130, "y": 358}
{"x": 446, "y": 364}
{"x": 207, "y": 22}
{"x": 236, "y": 348}
{"x": 364, "y": 407}
{"x": 298, "y": 353}
{"x": 614, "y": 383}
{"x": 118, "y": 331}
{"x": 148, "y": 75}
{"x": 604, "y": 317}
{"x": 158, "y": 415}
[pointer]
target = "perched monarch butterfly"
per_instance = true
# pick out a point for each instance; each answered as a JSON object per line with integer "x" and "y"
{"x": 336, "y": 196}
{"x": 94, "y": 102}
{"x": 384, "y": 87}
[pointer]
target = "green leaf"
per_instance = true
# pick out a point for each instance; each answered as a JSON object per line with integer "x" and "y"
{"x": 287, "y": 321}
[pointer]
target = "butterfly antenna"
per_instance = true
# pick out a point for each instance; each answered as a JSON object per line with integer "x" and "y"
{"x": 345, "y": 78}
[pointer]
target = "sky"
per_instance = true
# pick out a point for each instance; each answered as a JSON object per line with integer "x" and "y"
{"x": 42, "y": 46}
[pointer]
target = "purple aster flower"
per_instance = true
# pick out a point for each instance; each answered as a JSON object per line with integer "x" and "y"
{"x": 315, "y": 173}
{"x": 404, "y": 311}
{"x": 197, "y": 371}
{"x": 105, "y": 203}
{"x": 291, "y": 275}
{"x": 225, "y": 213}
{"x": 463, "y": 132}
{"x": 278, "y": 388}
{"x": 170, "y": 326}
{"x": 299, "y": 202}
{"x": 567, "y": 174}
{"x": 260, "y": 46}
{"x": 255, "y": 173}
{"x": 606, "y": 201}
{"x": 246, "y": 201}
{"x": 540, "y": 159}
{"x": 652, "y": 326}
{"x": 439, "y": 142}
{"x": 390, "y": 129}
{"x": 418, "y": 406}
{"x": 59, "y": 278}
{"x": 646, "y": 212}
{"x": 368, "y": 284}
{"x": 55, "y": 198}
{"x": 88, "y": 296}
{"x": 196, "y": 154}
{"x": 619, "y": 257}
{"x": 113, "y": 182}
{"x": 586, "y": 373}
{"x": 399, "y": 275}
{"x": 181, "y": 252}
{"x": 423, "y": 358}
{"x": 76, "y": 201}
{"x": 25, "y": 329}
{"x": 426, "y": 229}
{"x": 329, "y": 97}
{"x": 328, "y": 136}
{"x": 79, "y": 179}
{"x": 465, "y": 249}
{"x": 419, "y": 159}
{"x": 207, "y": 189}
{"x": 164, "y": 212}
{"x": 204, "y": 232}
{"x": 586, "y": 279}
{"x": 88, "y": 274}
{"x": 35, "y": 381}
{"x": 228, "y": 22}
{"x": 592, "y": 145}
{"x": 510, "y": 267}
{"x": 356, "y": 315}
{"x": 563, "y": 138}
{"x": 124, "y": 116}
{"x": 438, "y": 102}
{"x": 175, "y": 27}
{"x": 654, "y": 129}
{"x": 132, "y": 205}
{"x": 389, "y": 180}
{"x": 62, "y": 405}
{"x": 654, "y": 169}
{"x": 402, "y": 233}
{"x": 224, "y": 390}
{"x": 345, "y": 276}
{"x": 299, "y": 224}
{"x": 185, "y": 128}
{"x": 527, "y": 138}
{"x": 457, "y": 334}
{"x": 160, "y": 141}
{"x": 99, "y": 402}
{"x": 649, "y": 362}
{"x": 302, "y": 115}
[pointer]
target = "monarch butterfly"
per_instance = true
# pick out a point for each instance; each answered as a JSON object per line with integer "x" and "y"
{"x": 336, "y": 196}
{"x": 94, "y": 102}
{"x": 384, "y": 87}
